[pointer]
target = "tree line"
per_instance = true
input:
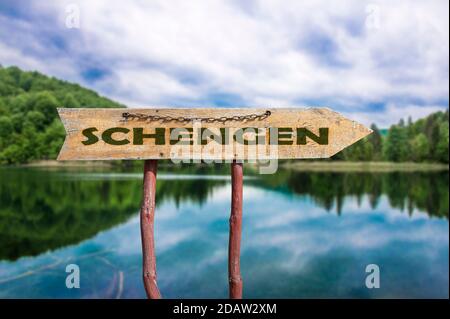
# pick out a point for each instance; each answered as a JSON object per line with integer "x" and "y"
{"x": 425, "y": 140}
{"x": 30, "y": 128}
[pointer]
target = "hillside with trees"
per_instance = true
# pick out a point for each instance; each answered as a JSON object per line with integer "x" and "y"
{"x": 30, "y": 128}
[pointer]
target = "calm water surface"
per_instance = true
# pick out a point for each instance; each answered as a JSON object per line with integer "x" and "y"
{"x": 304, "y": 234}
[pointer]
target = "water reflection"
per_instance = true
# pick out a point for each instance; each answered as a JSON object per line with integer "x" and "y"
{"x": 405, "y": 190}
{"x": 290, "y": 234}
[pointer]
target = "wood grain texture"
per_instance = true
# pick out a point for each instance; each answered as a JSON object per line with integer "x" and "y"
{"x": 342, "y": 132}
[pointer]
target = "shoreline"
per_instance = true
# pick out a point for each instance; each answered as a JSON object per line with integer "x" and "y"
{"x": 300, "y": 165}
{"x": 342, "y": 166}
{"x": 55, "y": 163}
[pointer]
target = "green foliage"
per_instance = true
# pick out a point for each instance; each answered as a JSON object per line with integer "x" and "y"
{"x": 396, "y": 146}
{"x": 3, "y": 109}
{"x": 425, "y": 140}
{"x": 46, "y": 104}
{"x": 442, "y": 145}
{"x": 376, "y": 140}
{"x": 29, "y": 125}
{"x": 36, "y": 119}
{"x": 70, "y": 101}
{"x": 419, "y": 147}
{"x": 6, "y": 126}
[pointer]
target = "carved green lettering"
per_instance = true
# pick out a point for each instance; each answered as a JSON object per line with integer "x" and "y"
{"x": 159, "y": 136}
{"x": 303, "y": 133}
{"x": 107, "y": 136}
{"x": 91, "y": 137}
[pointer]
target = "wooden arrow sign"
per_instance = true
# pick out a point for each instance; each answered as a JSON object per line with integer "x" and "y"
{"x": 214, "y": 133}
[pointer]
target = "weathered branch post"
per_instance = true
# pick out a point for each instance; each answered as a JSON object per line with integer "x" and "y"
{"x": 234, "y": 245}
{"x": 232, "y": 135}
{"x": 147, "y": 229}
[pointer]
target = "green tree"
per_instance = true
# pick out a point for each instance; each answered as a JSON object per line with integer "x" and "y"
{"x": 376, "y": 140}
{"x": 70, "y": 101}
{"x": 19, "y": 103}
{"x": 53, "y": 138}
{"x": 17, "y": 121}
{"x": 6, "y": 126}
{"x": 3, "y": 108}
{"x": 442, "y": 145}
{"x": 46, "y": 103}
{"x": 13, "y": 154}
{"x": 432, "y": 133}
{"x": 419, "y": 148}
{"x": 396, "y": 144}
{"x": 36, "y": 119}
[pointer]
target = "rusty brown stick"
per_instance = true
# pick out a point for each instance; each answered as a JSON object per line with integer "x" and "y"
{"x": 147, "y": 225}
{"x": 234, "y": 245}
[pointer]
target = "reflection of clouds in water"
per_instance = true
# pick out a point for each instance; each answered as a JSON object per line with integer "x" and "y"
{"x": 223, "y": 194}
{"x": 284, "y": 236}
{"x": 126, "y": 239}
{"x": 296, "y": 231}
{"x": 272, "y": 222}
{"x": 277, "y": 216}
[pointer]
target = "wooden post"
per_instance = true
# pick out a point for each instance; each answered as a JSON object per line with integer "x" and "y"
{"x": 234, "y": 245}
{"x": 147, "y": 233}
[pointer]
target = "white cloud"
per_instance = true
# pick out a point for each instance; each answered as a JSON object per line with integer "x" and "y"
{"x": 393, "y": 113}
{"x": 257, "y": 53}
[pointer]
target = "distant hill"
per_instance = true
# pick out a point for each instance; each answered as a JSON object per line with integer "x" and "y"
{"x": 30, "y": 128}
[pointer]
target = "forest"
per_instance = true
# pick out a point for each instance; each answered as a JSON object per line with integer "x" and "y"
{"x": 30, "y": 128}
{"x": 425, "y": 140}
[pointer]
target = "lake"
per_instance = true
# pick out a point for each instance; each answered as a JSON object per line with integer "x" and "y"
{"x": 305, "y": 234}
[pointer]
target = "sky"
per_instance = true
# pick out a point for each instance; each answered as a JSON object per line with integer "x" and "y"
{"x": 373, "y": 61}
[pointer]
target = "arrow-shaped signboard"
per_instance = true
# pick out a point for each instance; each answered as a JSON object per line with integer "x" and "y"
{"x": 215, "y": 133}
